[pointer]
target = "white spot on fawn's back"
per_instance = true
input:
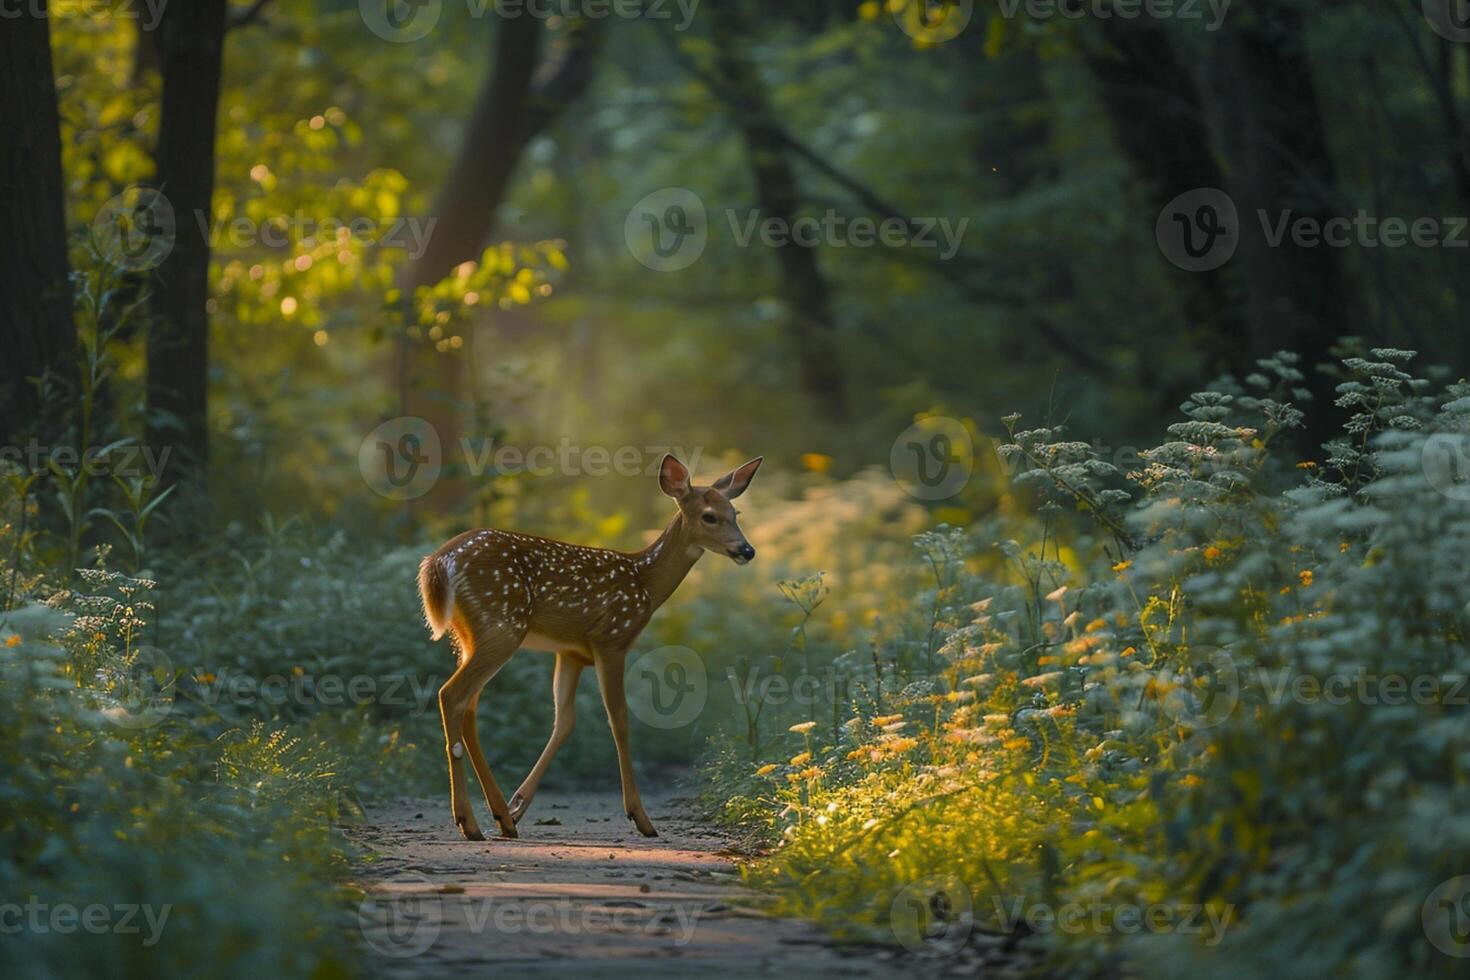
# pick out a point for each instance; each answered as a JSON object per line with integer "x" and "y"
{"x": 458, "y": 750}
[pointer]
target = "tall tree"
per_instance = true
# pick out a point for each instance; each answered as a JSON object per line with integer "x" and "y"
{"x": 1159, "y": 119}
{"x": 811, "y": 322}
{"x": 522, "y": 96}
{"x": 1298, "y": 296}
{"x": 190, "y": 39}
{"x": 39, "y": 334}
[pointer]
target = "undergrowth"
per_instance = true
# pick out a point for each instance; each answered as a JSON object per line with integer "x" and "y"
{"x": 1206, "y": 712}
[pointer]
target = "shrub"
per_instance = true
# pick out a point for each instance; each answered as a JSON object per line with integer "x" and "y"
{"x": 1150, "y": 718}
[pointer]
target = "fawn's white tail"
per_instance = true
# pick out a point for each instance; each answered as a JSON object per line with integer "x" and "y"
{"x": 437, "y": 594}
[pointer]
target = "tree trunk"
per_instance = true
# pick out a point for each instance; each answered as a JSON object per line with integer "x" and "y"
{"x": 39, "y": 334}
{"x": 1297, "y": 298}
{"x": 1158, "y": 118}
{"x": 512, "y": 108}
{"x": 810, "y": 320}
{"x": 190, "y": 57}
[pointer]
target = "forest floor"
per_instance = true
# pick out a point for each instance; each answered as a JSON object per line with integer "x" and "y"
{"x": 581, "y": 893}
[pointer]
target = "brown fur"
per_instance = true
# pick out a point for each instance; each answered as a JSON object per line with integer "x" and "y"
{"x": 496, "y": 591}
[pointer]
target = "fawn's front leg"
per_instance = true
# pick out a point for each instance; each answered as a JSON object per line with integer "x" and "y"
{"x": 564, "y": 695}
{"x": 609, "y": 665}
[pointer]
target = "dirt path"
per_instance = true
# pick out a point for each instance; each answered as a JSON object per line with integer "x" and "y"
{"x": 579, "y": 894}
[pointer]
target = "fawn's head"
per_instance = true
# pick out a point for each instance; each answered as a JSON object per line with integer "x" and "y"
{"x": 709, "y": 517}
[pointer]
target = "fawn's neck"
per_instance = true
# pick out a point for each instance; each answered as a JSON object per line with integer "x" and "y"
{"x": 663, "y": 564}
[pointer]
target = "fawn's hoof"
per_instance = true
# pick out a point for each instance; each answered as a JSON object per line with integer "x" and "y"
{"x": 518, "y": 807}
{"x": 469, "y": 828}
{"x": 645, "y": 826}
{"x": 508, "y": 829}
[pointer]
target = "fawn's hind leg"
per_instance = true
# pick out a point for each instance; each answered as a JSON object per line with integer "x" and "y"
{"x": 493, "y": 798}
{"x": 483, "y": 656}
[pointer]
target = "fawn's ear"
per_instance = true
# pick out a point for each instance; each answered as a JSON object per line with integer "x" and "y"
{"x": 733, "y": 483}
{"x": 673, "y": 477}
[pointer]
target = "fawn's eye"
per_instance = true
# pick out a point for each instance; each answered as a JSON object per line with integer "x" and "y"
{"x": 710, "y": 518}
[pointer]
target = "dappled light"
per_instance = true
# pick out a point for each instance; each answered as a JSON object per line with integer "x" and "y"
{"x": 730, "y": 488}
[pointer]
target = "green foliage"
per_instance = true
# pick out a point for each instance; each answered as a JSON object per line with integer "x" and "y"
{"x": 201, "y": 848}
{"x": 1206, "y": 704}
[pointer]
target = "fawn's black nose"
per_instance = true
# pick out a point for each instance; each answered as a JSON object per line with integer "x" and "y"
{"x": 746, "y": 552}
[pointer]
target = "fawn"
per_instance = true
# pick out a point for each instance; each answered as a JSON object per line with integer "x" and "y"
{"x": 498, "y": 591}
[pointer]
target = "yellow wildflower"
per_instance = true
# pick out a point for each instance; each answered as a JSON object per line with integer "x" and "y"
{"x": 13, "y": 640}
{"x": 802, "y": 728}
{"x": 816, "y": 462}
{"x": 1306, "y": 577}
{"x": 801, "y": 759}
{"x": 766, "y": 769}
